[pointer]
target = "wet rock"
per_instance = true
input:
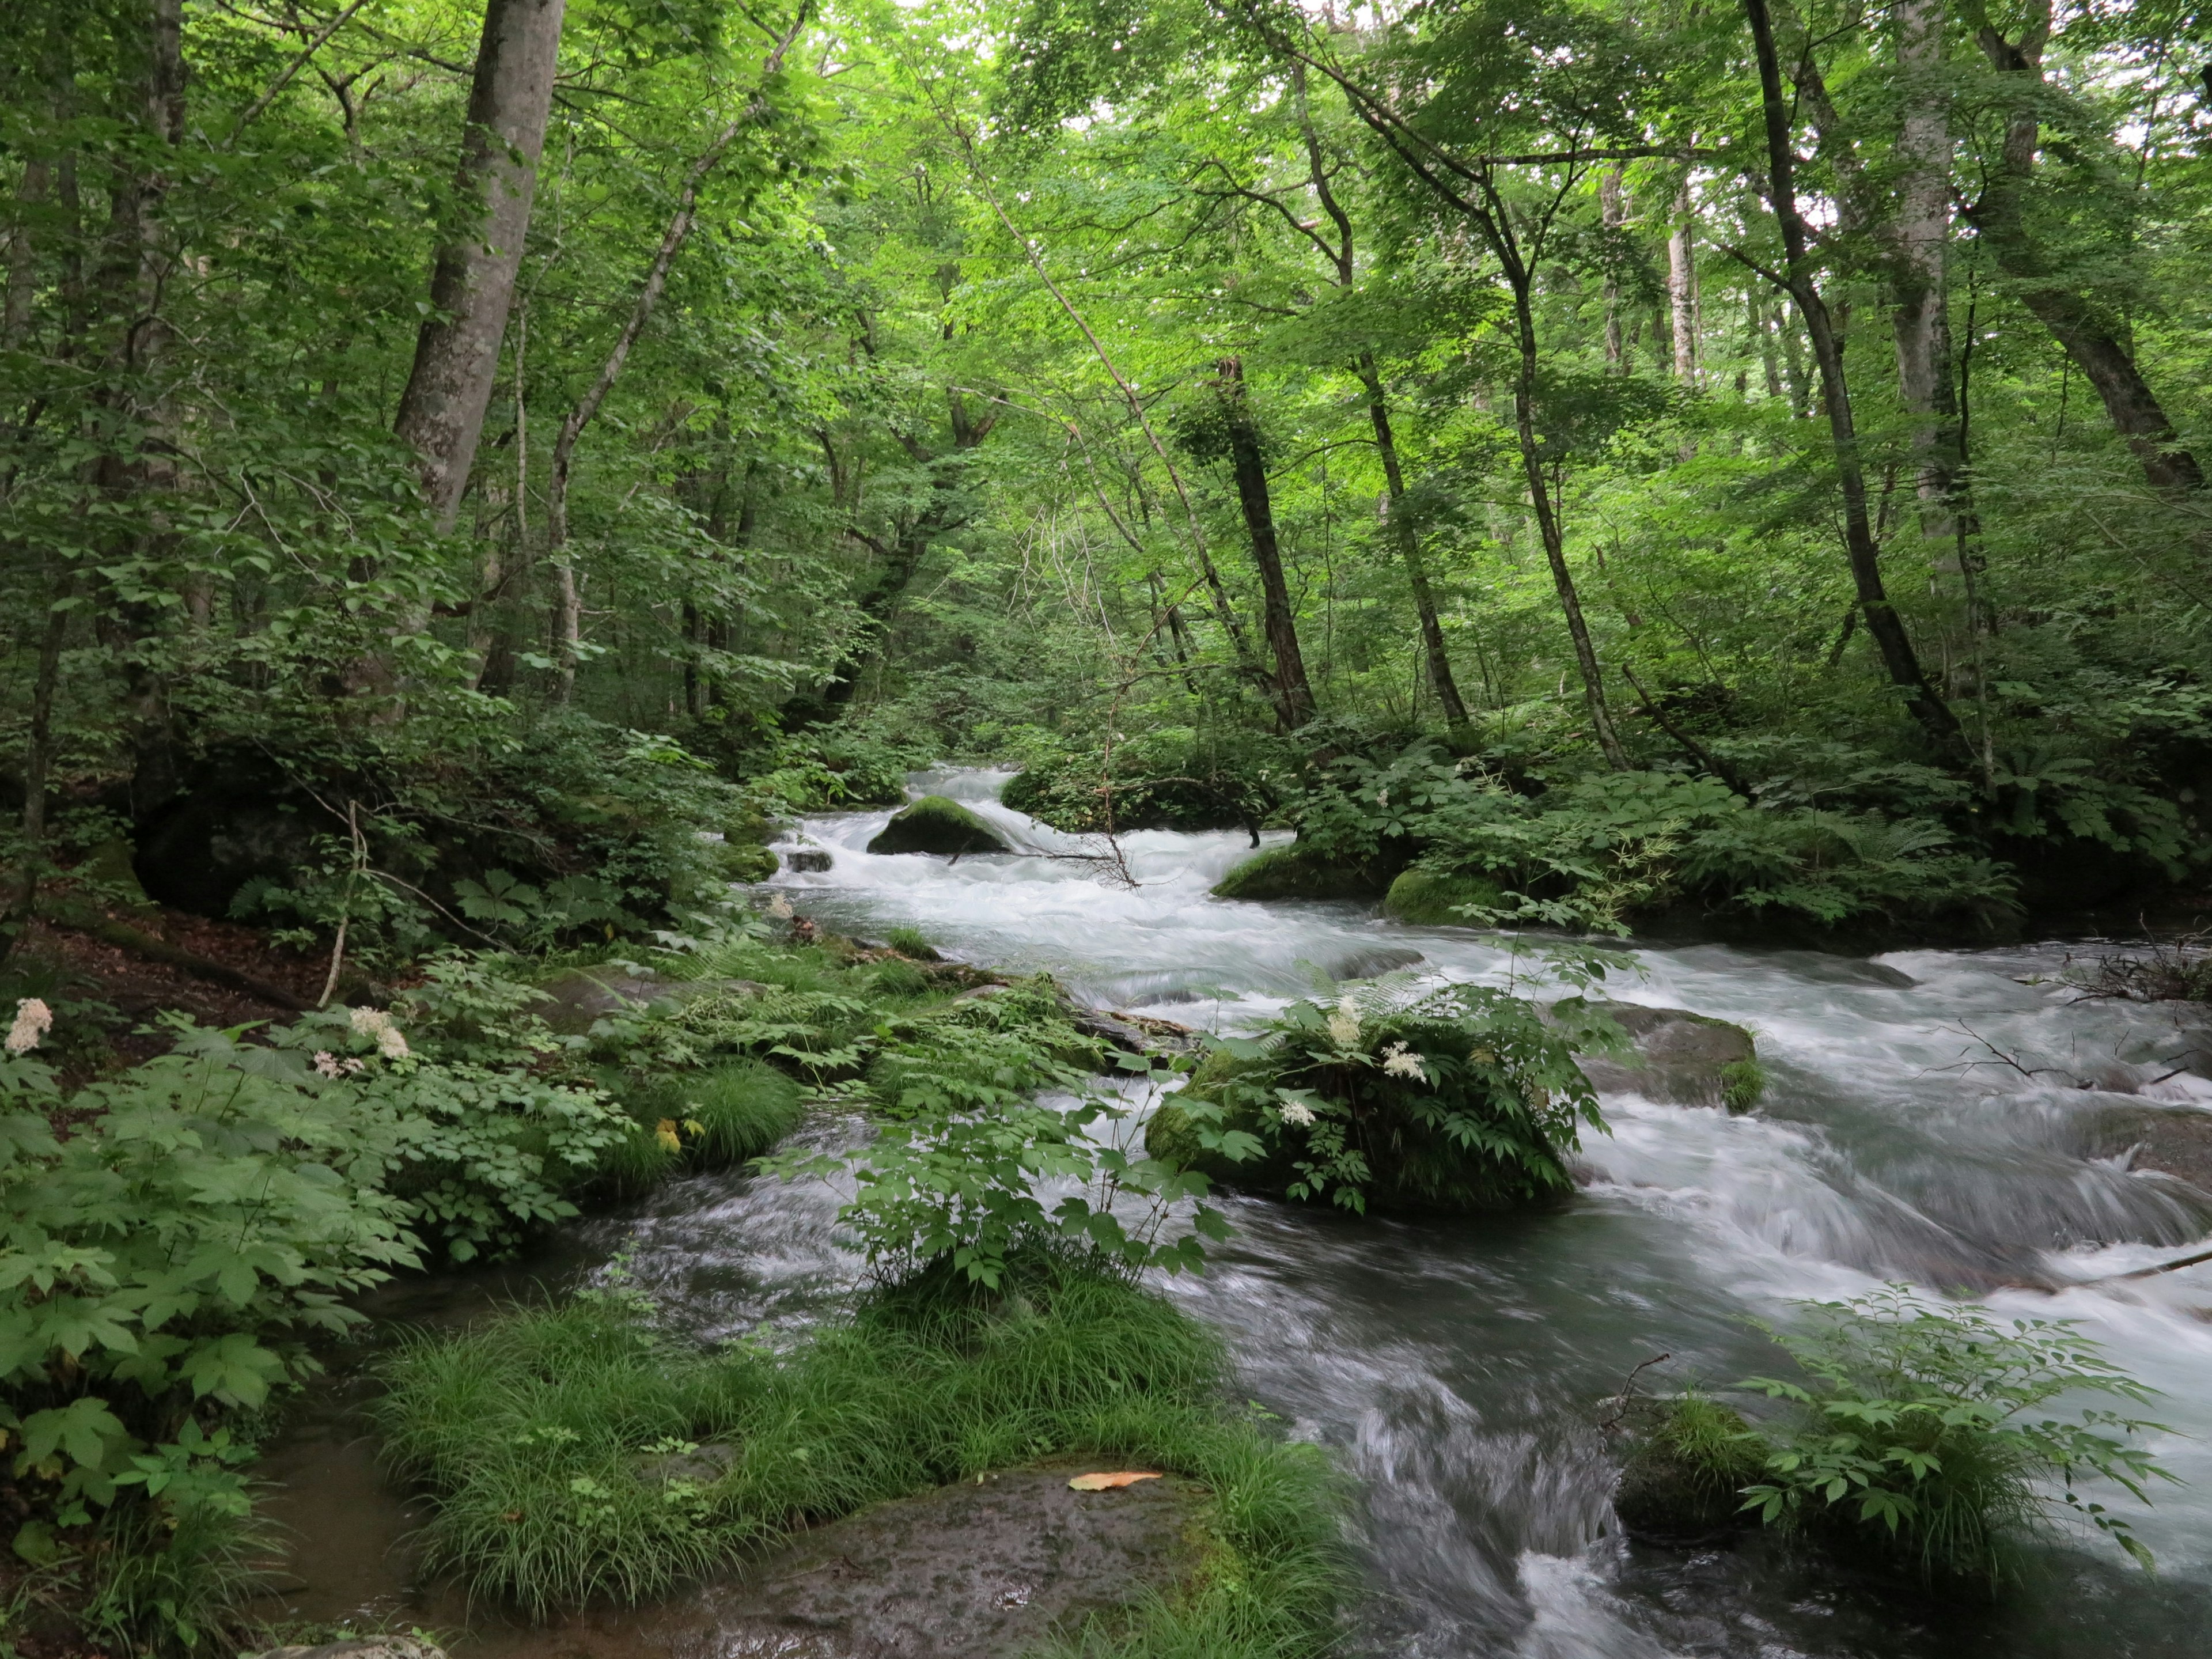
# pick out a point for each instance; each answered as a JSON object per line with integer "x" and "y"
{"x": 582, "y": 995}
{"x": 1682, "y": 1058}
{"x": 1665, "y": 1497}
{"x": 977, "y": 1570}
{"x": 1430, "y": 898}
{"x": 371, "y": 1647}
{"x": 807, "y": 860}
{"x": 743, "y": 861}
{"x": 1299, "y": 872}
{"x": 1370, "y": 965}
{"x": 938, "y": 824}
{"x": 2174, "y": 1140}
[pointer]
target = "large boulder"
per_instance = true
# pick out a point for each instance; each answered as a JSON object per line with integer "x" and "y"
{"x": 938, "y": 824}
{"x": 1682, "y": 1058}
{"x": 1299, "y": 873}
{"x": 1430, "y": 898}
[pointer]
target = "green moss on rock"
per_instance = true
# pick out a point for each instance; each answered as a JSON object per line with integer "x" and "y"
{"x": 938, "y": 824}
{"x": 1297, "y": 872}
{"x": 742, "y": 861}
{"x": 1430, "y": 898}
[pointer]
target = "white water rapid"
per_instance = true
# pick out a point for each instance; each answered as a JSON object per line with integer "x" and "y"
{"x": 1927, "y": 1120}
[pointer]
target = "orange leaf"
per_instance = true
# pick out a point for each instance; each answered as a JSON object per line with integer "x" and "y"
{"x": 1105, "y": 1482}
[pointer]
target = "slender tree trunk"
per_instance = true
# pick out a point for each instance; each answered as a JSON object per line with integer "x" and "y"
{"x": 22, "y": 267}
{"x": 1882, "y": 622}
{"x": 1548, "y": 527}
{"x": 1682, "y": 285}
{"x": 441, "y": 413}
{"x": 1920, "y": 291}
{"x": 38, "y": 765}
{"x": 1293, "y": 695}
{"x": 1408, "y": 536}
{"x": 2076, "y": 321}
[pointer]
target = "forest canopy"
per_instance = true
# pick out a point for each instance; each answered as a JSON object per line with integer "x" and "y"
{"x": 450, "y": 444}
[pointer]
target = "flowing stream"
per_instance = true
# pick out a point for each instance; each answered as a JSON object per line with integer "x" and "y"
{"x": 1928, "y": 1119}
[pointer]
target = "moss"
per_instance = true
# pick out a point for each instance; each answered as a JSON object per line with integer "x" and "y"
{"x": 1430, "y": 898}
{"x": 1297, "y": 872}
{"x": 936, "y": 823}
{"x": 743, "y": 861}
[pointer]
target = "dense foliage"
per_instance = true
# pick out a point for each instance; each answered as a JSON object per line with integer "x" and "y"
{"x": 1916, "y": 1430}
{"x": 1401, "y": 1095}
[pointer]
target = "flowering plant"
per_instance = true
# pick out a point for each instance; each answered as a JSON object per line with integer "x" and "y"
{"x": 1413, "y": 1094}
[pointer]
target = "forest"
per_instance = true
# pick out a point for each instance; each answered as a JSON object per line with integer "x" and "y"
{"x": 505, "y": 506}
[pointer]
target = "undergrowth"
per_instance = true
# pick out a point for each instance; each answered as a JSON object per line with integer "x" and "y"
{"x": 579, "y": 1452}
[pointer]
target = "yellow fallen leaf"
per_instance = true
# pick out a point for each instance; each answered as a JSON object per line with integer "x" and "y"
{"x": 1106, "y": 1482}
{"x": 665, "y": 1134}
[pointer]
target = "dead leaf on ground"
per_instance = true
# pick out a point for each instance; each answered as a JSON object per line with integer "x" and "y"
{"x": 1107, "y": 1482}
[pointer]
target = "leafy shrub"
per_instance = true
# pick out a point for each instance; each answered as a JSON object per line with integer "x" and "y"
{"x": 818, "y": 771}
{"x": 970, "y": 1130}
{"x": 170, "y": 1258}
{"x": 1462, "y": 1096}
{"x": 577, "y": 1452}
{"x": 1913, "y": 1431}
{"x": 1597, "y": 852}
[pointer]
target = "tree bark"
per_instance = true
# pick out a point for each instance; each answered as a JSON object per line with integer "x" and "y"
{"x": 1682, "y": 285}
{"x": 1408, "y": 536}
{"x": 1883, "y": 622}
{"x": 1919, "y": 289}
{"x": 441, "y": 413}
{"x": 2077, "y": 323}
{"x": 1613, "y": 213}
{"x": 1292, "y": 695}
{"x": 1402, "y": 530}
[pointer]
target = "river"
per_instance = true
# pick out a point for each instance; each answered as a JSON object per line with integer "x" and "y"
{"x": 1925, "y": 1122}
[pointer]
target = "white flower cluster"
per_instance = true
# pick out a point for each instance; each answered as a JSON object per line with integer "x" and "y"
{"x": 1298, "y": 1113}
{"x": 1344, "y": 1023}
{"x": 376, "y": 1025}
{"x": 34, "y": 1019}
{"x": 330, "y": 1066}
{"x": 1400, "y": 1060}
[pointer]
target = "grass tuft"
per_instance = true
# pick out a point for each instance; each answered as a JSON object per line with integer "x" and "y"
{"x": 578, "y": 1454}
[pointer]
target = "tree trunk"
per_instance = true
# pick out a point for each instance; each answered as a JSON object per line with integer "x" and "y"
{"x": 1682, "y": 285}
{"x": 1919, "y": 290}
{"x": 2077, "y": 323}
{"x": 37, "y": 764}
{"x": 441, "y": 413}
{"x": 1548, "y": 527}
{"x": 1408, "y": 536}
{"x": 1882, "y": 622}
{"x": 1293, "y": 696}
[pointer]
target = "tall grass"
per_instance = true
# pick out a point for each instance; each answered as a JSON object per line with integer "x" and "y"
{"x": 577, "y": 1454}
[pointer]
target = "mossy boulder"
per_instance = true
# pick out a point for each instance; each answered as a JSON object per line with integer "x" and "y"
{"x": 938, "y": 824}
{"x": 743, "y": 861}
{"x": 1299, "y": 872}
{"x": 1431, "y": 898}
{"x": 1681, "y": 1058}
{"x": 1681, "y": 1484}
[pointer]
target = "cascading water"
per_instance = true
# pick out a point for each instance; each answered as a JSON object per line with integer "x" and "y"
{"x": 1925, "y": 1121}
